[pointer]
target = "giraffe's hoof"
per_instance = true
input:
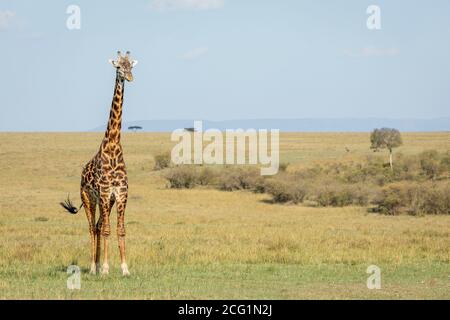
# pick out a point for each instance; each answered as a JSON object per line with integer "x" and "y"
{"x": 105, "y": 268}
{"x": 124, "y": 268}
{"x": 93, "y": 269}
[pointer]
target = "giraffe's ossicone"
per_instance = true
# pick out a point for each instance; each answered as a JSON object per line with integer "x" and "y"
{"x": 104, "y": 179}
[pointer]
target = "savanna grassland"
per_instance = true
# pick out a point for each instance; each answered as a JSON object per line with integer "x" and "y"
{"x": 207, "y": 243}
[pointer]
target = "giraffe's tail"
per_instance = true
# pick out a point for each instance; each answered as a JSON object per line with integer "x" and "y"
{"x": 68, "y": 205}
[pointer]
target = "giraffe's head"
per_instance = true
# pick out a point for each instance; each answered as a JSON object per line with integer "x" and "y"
{"x": 124, "y": 66}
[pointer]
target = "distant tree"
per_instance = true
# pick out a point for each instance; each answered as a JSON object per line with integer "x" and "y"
{"x": 190, "y": 129}
{"x": 134, "y": 128}
{"x": 386, "y": 138}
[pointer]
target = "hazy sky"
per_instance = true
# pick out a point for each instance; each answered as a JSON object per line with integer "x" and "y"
{"x": 223, "y": 59}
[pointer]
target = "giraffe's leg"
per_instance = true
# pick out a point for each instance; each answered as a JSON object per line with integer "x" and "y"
{"x": 99, "y": 234}
{"x": 105, "y": 229}
{"x": 89, "y": 205}
{"x": 121, "y": 205}
{"x": 98, "y": 241}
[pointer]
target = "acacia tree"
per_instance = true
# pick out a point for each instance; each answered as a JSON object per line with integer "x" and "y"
{"x": 386, "y": 138}
{"x": 134, "y": 128}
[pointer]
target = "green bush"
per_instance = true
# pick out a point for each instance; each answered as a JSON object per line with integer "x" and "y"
{"x": 392, "y": 198}
{"x": 431, "y": 164}
{"x": 445, "y": 161}
{"x": 436, "y": 198}
{"x": 240, "y": 179}
{"x": 417, "y": 185}
{"x": 206, "y": 176}
{"x": 406, "y": 168}
{"x": 162, "y": 161}
{"x": 333, "y": 194}
{"x": 185, "y": 176}
{"x": 282, "y": 167}
{"x": 414, "y": 198}
{"x": 189, "y": 176}
{"x": 309, "y": 173}
{"x": 283, "y": 191}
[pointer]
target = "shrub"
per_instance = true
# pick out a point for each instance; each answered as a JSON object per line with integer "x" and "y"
{"x": 282, "y": 191}
{"x": 431, "y": 164}
{"x": 414, "y": 198}
{"x": 309, "y": 173}
{"x": 392, "y": 199}
{"x": 206, "y": 176}
{"x": 240, "y": 178}
{"x": 407, "y": 168}
{"x": 282, "y": 167}
{"x": 380, "y": 179}
{"x": 445, "y": 161}
{"x": 436, "y": 198}
{"x": 333, "y": 194}
{"x": 362, "y": 194}
{"x": 185, "y": 176}
{"x": 188, "y": 176}
{"x": 405, "y": 189}
{"x": 162, "y": 161}
{"x": 354, "y": 175}
{"x": 230, "y": 181}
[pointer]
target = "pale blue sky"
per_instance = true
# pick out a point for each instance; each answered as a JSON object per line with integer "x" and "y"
{"x": 223, "y": 59}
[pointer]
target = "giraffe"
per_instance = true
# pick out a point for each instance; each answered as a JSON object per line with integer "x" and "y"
{"x": 104, "y": 179}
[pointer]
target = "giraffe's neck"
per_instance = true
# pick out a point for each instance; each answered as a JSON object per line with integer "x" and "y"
{"x": 112, "y": 133}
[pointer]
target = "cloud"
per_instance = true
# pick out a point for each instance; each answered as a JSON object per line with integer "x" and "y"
{"x": 373, "y": 52}
{"x": 6, "y": 18}
{"x": 164, "y": 5}
{"x": 194, "y": 53}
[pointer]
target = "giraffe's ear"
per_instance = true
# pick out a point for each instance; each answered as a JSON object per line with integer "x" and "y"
{"x": 134, "y": 63}
{"x": 113, "y": 63}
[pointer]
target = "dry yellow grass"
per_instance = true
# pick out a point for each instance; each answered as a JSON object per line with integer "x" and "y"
{"x": 205, "y": 243}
